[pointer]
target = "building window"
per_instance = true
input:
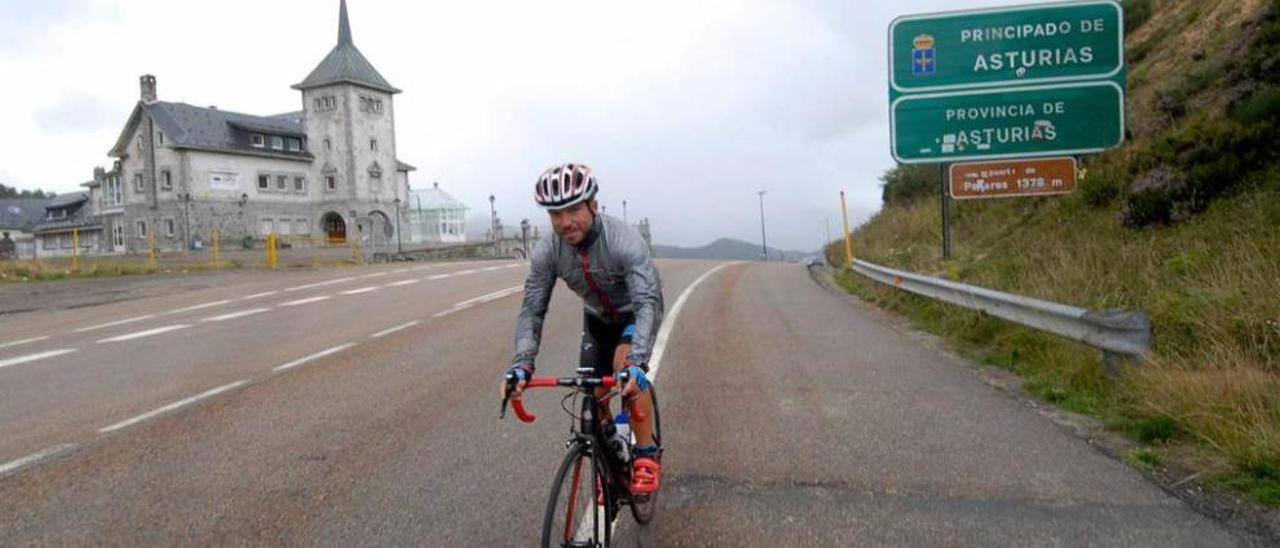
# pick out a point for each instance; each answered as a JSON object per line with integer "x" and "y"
{"x": 166, "y": 180}
{"x": 160, "y": 138}
{"x": 137, "y": 182}
{"x": 169, "y": 228}
{"x": 377, "y": 105}
{"x": 264, "y": 182}
{"x": 268, "y": 227}
{"x": 300, "y": 184}
{"x": 142, "y": 229}
{"x": 330, "y": 183}
{"x": 281, "y": 182}
{"x": 295, "y": 145}
{"x": 139, "y": 144}
{"x": 258, "y": 141}
{"x": 328, "y": 144}
{"x": 373, "y": 145}
{"x": 301, "y": 227}
{"x": 117, "y": 234}
{"x": 325, "y": 103}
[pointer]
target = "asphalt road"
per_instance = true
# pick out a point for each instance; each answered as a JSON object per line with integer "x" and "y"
{"x": 357, "y": 407}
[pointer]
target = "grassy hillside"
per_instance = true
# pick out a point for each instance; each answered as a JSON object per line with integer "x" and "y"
{"x": 1183, "y": 222}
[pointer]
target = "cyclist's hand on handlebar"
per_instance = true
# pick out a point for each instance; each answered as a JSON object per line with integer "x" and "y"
{"x": 636, "y": 382}
{"x": 514, "y": 380}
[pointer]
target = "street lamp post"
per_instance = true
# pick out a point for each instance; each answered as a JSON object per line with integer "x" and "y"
{"x": 624, "y": 211}
{"x": 764, "y": 246}
{"x": 399, "y": 244}
{"x": 493, "y": 219}
{"x": 524, "y": 236}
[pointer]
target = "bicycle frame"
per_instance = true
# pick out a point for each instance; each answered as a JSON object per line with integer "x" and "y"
{"x": 589, "y": 431}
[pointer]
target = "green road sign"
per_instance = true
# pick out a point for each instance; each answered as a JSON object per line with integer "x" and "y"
{"x": 1001, "y": 47}
{"x": 1056, "y": 119}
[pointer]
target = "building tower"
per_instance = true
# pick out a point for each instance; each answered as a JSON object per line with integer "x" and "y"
{"x": 349, "y": 117}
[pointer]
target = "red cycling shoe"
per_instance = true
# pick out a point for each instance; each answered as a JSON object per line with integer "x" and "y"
{"x": 645, "y": 473}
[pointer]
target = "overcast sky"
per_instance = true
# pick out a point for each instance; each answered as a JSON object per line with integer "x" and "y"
{"x": 684, "y": 109}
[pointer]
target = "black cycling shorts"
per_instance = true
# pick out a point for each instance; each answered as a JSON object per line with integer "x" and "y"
{"x": 600, "y": 341}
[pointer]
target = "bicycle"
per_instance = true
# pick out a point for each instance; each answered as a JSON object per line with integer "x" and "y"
{"x": 589, "y": 508}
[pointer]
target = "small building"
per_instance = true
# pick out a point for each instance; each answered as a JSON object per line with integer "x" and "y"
{"x": 436, "y": 217}
{"x": 18, "y": 219}
{"x": 69, "y": 220}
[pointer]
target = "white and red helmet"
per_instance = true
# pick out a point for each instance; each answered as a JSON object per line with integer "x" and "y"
{"x": 565, "y": 185}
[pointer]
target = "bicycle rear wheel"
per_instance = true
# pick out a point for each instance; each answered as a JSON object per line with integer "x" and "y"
{"x": 643, "y": 506}
{"x": 573, "y": 516}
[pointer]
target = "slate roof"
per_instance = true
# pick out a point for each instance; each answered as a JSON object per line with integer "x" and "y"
{"x": 22, "y": 213}
{"x": 79, "y": 215}
{"x": 189, "y": 126}
{"x": 345, "y": 63}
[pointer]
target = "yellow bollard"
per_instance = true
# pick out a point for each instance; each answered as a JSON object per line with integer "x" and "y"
{"x": 215, "y": 247}
{"x": 848, "y": 238}
{"x": 271, "y": 250}
{"x": 75, "y": 249}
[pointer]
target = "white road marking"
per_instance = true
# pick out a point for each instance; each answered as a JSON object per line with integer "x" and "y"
{"x": 361, "y": 290}
{"x": 438, "y": 276}
{"x": 24, "y": 341}
{"x": 444, "y": 313}
{"x": 490, "y": 268}
{"x": 319, "y": 284}
{"x": 235, "y": 315}
{"x": 259, "y": 295}
{"x": 465, "y": 272}
{"x": 306, "y": 300}
{"x": 315, "y": 356}
{"x": 115, "y": 323}
{"x": 28, "y": 460}
{"x": 479, "y": 300}
{"x": 199, "y": 306}
{"x": 491, "y": 296}
{"x": 374, "y": 275}
{"x": 664, "y": 332}
{"x": 34, "y": 357}
{"x": 171, "y": 407}
{"x": 399, "y": 270}
{"x": 403, "y": 282}
{"x": 405, "y": 325}
{"x": 147, "y": 333}
{"x": 517, "y": 265}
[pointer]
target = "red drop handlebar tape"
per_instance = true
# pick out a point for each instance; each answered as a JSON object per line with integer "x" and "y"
{"x": 547, "y": 382}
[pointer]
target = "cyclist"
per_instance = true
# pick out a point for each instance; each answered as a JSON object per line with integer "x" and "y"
{"x": 607, "y": 263}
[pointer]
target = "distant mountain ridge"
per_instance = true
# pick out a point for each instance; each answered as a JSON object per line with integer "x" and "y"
{"x": 726, "y": 249}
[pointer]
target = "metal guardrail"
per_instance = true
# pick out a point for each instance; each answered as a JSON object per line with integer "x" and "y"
{"x": 1118, "y": 333}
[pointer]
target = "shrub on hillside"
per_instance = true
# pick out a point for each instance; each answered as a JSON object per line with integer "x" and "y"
{"x": 904, "y": 183}
{"x": 1136, "y": 12}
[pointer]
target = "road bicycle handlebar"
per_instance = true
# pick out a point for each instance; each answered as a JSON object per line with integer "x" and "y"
{"x": 608, "y": 382}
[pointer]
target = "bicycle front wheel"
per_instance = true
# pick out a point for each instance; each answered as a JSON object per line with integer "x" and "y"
{"x": 576, "y": 513}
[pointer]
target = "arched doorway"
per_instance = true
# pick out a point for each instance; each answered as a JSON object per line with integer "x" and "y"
{"x": 381, "y": 231}
{"x": 335, "y": 229}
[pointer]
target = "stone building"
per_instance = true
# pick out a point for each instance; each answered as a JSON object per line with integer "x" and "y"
{"x": 69, "y": 221}
{"x": 436, "y": 217}
{"x": 329, "y": 170}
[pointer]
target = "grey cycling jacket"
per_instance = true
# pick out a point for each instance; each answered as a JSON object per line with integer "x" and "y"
{"x": 612, "y": 272}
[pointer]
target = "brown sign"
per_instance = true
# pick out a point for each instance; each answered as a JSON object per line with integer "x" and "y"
{"x": 1040, "y": 177}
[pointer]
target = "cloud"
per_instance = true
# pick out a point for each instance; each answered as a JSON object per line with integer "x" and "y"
{"x": 76, "y": 112}
{"x": 23, "y": 22}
